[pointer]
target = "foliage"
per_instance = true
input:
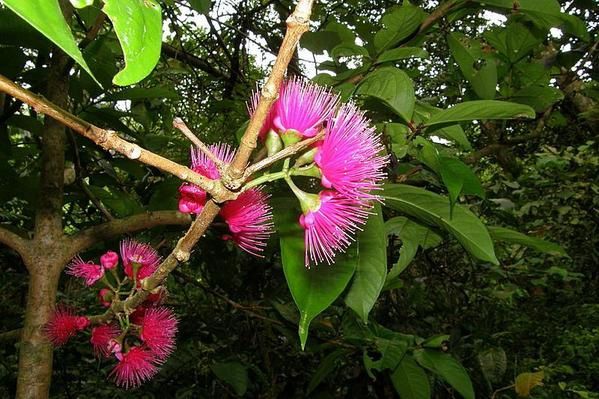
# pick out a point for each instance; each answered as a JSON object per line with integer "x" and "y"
{"x": 477, "y": 275}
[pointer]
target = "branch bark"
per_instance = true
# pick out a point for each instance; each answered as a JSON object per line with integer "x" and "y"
{"x": 117, "y": 227}
{"x": 14, "y": 241}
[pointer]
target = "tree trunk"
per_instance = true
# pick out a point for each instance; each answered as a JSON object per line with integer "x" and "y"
{"x": 35, "y": 352}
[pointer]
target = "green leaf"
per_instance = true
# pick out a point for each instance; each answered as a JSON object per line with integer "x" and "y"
{"x": 399, "y": 23}
{"x": 432, "y": 209}
{"x": 201, "y": 6}
{"x": 233, "y": 373}
{"x": 371, "y": 266}
{"x": 393, "y": 87}
{"x": 449, "y": 369}
{"x": 390, "y": 353}
{"x": 138, "y": 25}
{"x": 455, "y": 133}
{"x": 141, "y": 93}
{"x": 81, "y": 3}
{"x": 348, "y": 50}
{"x": 410, "y": 381}
{"x": 412, "y": 235}
{"x": 314, "y": 289}
{"x": 479, "y": 69}
{"x": 46, "y": 16}
{"x": 512, "y": 236}
{"x": 319, "y": 41}
{"x": 480, "y": 110}
{"x": 525, "y": 382}
{"x": 540, "y": 98}
{"x": 513, "y": 41}
{"x": 401, "y": 53}
{"x": 326, "y": 367}
{"x": 459, "y": 178}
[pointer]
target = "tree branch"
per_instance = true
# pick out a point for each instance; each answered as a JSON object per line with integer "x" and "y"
{"x": 14, "y": 241}
{"x": 172, "y": 52}
{"x": 117, "y": 227}
{"x": 297, "y": 24}
{"x": 10, "y": 336}
{"x": 181, "y": 126}
{"x": 110, "y": 141}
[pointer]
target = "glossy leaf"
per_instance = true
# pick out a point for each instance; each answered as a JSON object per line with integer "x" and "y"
{"x": 410, "y": 381}
{"x": 371, "y": 268}
{"x": 512, "y": 236}
{"x": 313, "y": 289}
{"x": 393, "y": 87}
{"x": 399, "y": 23}
{"x": 480, "y": 110}
{"x": 138, "y": 25}
{"x": 432, "y": 209}
{"x": 459, "y": 178}
{"x": 448, "y": 368}
{"x": 46, "y": 16}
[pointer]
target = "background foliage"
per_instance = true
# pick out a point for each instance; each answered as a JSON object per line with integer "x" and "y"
{"x": 489, "y": 228}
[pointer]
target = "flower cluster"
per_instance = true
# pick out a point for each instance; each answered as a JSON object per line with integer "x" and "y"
{"x": 139, "y": 342}
{"x": 248, "y": 217}
{"x": 349, "y": 160}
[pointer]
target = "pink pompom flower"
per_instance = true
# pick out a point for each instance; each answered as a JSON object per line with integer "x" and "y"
{"x": 143, "y": 256}
{"x": 88, "y": 271}
{"x": 63, "y": 325}
{"x": 329, "y": 226}
{"x": 350, "y": 157}
{"x": 249, "y": 219}
{"x": 109, "y": 260}
{"x": 192, "y": 198}
{"x": 134, "y": 367}
{"x": 101, "y": 337}
{"x": 268, "y": 122}
{"x": 303, "y": 107}
{"x": 157, "y": 330}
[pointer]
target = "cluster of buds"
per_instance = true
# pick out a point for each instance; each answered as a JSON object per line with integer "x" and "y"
{"x": 139, "y": 341}
{"x": 349, "y": 162}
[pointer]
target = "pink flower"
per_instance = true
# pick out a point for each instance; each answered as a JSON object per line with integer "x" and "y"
{"x": 349, "y": 156}
{"x": 109, "y": 260}
{"x": 249, "y": 219}
{"x": 134, "y": 367}
{"x": 251, "y": 107}
{"x": 329, "y": 227}
{"x": 63, "y": 325}
{"x": 303, "y": 107}
{"x": 158, "y": 329}
{"x": 101, "y": 337}
{"x": 192, "y": 198}
{"x": 144, "y": 256}
{"x": 105, "y": 295}
{"x": 85, "y": 270}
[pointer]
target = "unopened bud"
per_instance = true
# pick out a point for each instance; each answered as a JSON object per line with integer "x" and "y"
{"x": 109, "y": 260}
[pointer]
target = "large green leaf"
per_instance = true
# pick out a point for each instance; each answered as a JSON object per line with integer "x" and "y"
{"x": 371, "y": 266}
{"x": 412, "y": 235}
{"x": 459, "y": 178}
{"x": 46, "y": 16}
{"x": 313, "y": 289}
{"x": 481, "y": 109}
{"x": 393, "y": 87}
{"x": 138, "y": 25}
{"x": 511, "y": 236}
{"x": 399, "y": 23}
{"x": 410, "y": 381}
{"x": 400, "y": 53}
{"x": 233, "y": 373}
{"x": 326, "y": 366}
{"x": 455, "y": 133}
{"x": 449, "y": 369}
{"x": 433, "y": 209}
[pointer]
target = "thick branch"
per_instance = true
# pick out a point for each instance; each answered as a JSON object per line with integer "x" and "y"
{"x": 297, "y": 24}
{"x": 117, "y": 227}
{"x": 14, "y": 241}
{"x": 110, "y": 141}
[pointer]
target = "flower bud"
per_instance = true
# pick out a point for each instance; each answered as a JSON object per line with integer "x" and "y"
{"x": 109, "y": 260}
{"x": 105, "y": 295}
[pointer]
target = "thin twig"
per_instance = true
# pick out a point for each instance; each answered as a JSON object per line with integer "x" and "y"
{"x": 181, "y": 126}
{"x": 287, "y": 152}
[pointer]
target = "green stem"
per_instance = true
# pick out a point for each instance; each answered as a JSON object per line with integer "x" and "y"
{"x": 309, "y": 202}
{"x": 266, "y": 178}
